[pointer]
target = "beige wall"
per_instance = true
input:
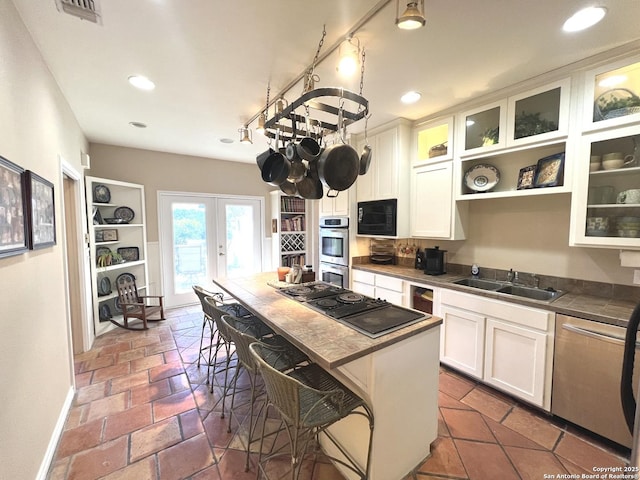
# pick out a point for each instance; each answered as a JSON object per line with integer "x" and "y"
{"x": 36, "y": 125}
{"x": 173, "y": 172}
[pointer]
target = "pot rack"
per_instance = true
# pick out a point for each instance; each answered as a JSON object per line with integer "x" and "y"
{"x": 317, "y": 113}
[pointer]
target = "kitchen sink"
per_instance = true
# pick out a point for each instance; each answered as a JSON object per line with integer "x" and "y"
{"x": 530, "y": 292}
{"x": 479, "y": 283}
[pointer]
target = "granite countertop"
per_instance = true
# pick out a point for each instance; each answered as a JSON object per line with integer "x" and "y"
{"x": 325, "y": 340}
{"x": 599, "y": 309}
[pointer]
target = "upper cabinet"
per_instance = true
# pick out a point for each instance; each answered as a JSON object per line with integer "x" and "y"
{"x": 433, "y": 141}
{"x": 612, "y": 95}
{"x": 536, "y": 116}
{"x": 337, "y": 206}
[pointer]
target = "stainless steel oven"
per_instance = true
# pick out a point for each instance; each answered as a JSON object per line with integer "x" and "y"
{"x": 334, "y": 274}
{"x": 334, "y": 240}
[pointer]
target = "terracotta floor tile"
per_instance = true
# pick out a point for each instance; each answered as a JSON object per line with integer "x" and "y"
{"x": 90, "y": 393}
{"x": 145, "y": 363}
{"x": 98, "y": 362}
{"x": 486, "y": 404}
{"x": 444, "y": 460}
{"x": 114, "y": 371}
{"x": 443, "y": 431}
{"x": 216, "y": 430}
{"x": 210, "y": 473}
{"x": 127, "y": 421}
{"x": 508, "y": 437}
{"x": 145, "y": 469}
{"x": 446, "y": 401}
{"x": 127, "y": 382}
{"x": 107, "y": 406}
{"x": 81, "y": 438}
{"x": 455, "y": 386}
{"x": 485, "y": 461}
{"x": 173, "y": 405}
{"x": 83, "y": 379}
{"x": 179, "y": 383}
{"x": 532, "y": 427}
{"x": 467, "y": 424}
{"x": 151, "y": 338}
{"x": 191, "y": 423}
{"x": 115, "y": 348}
{"x": 160, "y": 347}
{"x": 155, "y": 438}
{"x": 150, "y": 392}
{"x": 534, "y": 464}
{"x": 166, "y": 371}
{"x": 58, "y": 469}
{"x": 130, "y": 355}
{"x": 585, "y": 454}
{"x": 99, "y": 461}
{"x": 186, "y": 458}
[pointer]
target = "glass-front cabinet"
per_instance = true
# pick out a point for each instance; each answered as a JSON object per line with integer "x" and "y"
{"x": 612, "y": 95}
{"x": 434, "y": 141}
{"x": 483, "y": 129}
{"x": 606, "y": 207}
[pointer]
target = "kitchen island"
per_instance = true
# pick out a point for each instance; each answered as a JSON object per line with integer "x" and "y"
{"x": 397, "y": 375}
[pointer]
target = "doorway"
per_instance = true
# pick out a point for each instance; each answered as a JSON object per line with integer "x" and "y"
{"x": 204, "y": 237}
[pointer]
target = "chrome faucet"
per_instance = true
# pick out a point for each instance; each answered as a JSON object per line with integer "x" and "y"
{"x": 511, "y": 275}
{"x": 516, "y": 280}
{"x": 536, "y": 280}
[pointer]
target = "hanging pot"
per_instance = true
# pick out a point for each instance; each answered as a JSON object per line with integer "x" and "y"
{"x": 365, "y": 160}
{"x": 338, "y": 166}
{"x": 310, "y": 187}
{"x": 297, "y": 171}
{"x": 260, "y": 159}
{"x": 289, "y": 188}
{"x": 308, "y": 149}
{"x": 275, "y": 169}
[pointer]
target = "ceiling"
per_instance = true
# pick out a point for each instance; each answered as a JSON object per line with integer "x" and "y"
{"x": 211, "y": 60}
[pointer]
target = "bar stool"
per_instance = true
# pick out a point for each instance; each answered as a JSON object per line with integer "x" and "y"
{"x": 207, "y": 321}
{"x": 282, "y": 356}
{"x": 309, "y": 401}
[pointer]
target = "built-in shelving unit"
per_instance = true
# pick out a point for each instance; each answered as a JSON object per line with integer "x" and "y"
{"x": 289, "y": 230}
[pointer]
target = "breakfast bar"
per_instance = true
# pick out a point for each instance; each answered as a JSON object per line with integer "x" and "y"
{"x": 396, "y": 374}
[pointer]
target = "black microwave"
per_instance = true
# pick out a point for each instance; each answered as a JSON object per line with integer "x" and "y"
{"x": 378, "y": 218}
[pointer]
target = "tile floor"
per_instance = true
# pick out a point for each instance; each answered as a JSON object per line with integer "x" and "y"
{"x": 143, "y": 412}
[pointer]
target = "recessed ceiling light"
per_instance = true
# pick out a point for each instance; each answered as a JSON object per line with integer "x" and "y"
{"x": 141, "y": 82}
{"x": 226, "y": 140}
{"x": 585, "y": 18}
{"x": 612, "y": 81}
{"x": 411, "y": 97}
{"x": 138, "y": 124}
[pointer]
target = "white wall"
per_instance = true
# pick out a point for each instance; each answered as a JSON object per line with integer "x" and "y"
{"x": 36, "y": 375}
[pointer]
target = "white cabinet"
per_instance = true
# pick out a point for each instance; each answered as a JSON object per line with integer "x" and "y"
{"x": 376, "y": 285}
{"x": 289, "y": 230}
{"x": 337, "y": 206}
{"x": 433, "y": 141}
{"x": 462, "y": 340}
{"x": 434, "y": 213}
{"x": 113, "y": 201}
{"x": 507, "y": 346}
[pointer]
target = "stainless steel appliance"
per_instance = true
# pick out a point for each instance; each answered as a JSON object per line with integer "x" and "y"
{"x": 334, "y": 250}
{"x": 369, "y": 316}
{"x": 630, "y": 407}
{"x": 378, "y": 218}
{"x": 586, "y": 377}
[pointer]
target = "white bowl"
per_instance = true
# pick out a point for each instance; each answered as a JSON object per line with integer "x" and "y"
{"x": 612, "y": 163}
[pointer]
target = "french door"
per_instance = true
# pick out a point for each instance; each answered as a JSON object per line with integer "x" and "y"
{"x": 203, "y": 237}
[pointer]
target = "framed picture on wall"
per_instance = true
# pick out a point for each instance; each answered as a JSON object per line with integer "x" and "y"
{"x": 13, "y": 227}
{"x": 41, "y": 208}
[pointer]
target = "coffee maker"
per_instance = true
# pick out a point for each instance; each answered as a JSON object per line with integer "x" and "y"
{"x": 434, "y": 261}
{"x": 419, "y": 264}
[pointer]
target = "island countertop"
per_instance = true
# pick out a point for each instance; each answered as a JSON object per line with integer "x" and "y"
{"x": 325, "y": 340}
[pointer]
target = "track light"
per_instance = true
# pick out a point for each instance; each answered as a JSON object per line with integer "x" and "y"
{"x": 245, "y": 135}
{"x": 413, "y": 16}
{"x": 348, "y": 55}
{"x": 261, "y": 121}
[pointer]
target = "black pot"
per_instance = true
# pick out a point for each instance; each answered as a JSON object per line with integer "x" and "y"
{"x": 365, "y": 160}
{"x": 338, "y": 166}
{"x": 275, "y": 169}
{"x": 308, "y": 149}
{"x": 310, "y": 187}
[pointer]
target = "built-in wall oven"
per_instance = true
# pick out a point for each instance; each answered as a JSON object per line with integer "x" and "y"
{"x": 334, "y": 251}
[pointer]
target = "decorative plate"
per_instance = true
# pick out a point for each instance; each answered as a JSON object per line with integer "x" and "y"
{"x": 117, "y": 305}
{"x": 104, "y": 286}
{"x": 104, "y": 312}
{"x": 125, "y": 277}
{"x": 129, "y": 254}
{"x": 101, "y": 194}
{"x": 124, "y": 213}
{"x": 482, "y": 177}
{"x": 112, "y": 220}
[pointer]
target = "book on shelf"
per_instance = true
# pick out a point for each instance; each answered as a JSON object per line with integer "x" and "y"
{"x": 293, "y": 224}
{"x": 292, "y": 204}
{"x": 290, "y": 260}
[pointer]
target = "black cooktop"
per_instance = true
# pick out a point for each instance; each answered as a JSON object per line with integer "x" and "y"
{"x": 370, "y": 316}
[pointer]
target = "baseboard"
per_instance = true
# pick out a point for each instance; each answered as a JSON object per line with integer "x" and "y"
{"x": 55, "y": 436}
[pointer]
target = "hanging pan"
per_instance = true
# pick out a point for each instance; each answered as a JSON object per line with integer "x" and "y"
{"x": 339, "y": 164}
{"x": 365, "y": 156}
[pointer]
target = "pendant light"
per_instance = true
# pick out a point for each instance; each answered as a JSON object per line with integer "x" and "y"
{"x": 261, "y": 121}
{"x": 413, "y": 16}
{"x": 245, "y": 135}
{"x": 348, "y": 55}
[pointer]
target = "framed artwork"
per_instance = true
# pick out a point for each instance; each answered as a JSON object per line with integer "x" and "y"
{"x": 109, "y": 235}
{"x": 526, "y": 177}
{"x": 41, "y": 208}
{"x": 550, "y": 171}
{"x": 13, "y": 227}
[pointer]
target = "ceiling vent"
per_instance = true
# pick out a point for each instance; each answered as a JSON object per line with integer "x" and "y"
{"x": 84, "y": 9}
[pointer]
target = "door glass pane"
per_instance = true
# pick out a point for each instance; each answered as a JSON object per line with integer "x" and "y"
{"x": 537, "y": 114}
{"x": 617, "y": 93}
{"x": 483, "y": 129}
{"x": 189, "y": 246}
{"x": 241, "y": 233}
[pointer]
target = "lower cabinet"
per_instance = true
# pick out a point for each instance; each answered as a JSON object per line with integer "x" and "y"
{"x": 505, "y": 345}
{"x": 376, "y": 285}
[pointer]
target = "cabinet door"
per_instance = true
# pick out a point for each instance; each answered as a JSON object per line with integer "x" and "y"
{"x": 433, "y": 142}
{"x": 363, "y": 288}
{"x": 483, "y": 129}
{"x": 386, "y": 166}
{"x": 334, "y": 206}
{"x": 462, "y": 340}
{"x": 432, "y": 200}
{"x": 515, "y": 360}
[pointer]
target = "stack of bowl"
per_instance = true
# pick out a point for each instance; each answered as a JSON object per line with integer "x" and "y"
{"x": 628, "y": 227}
{"x": 597, "y": 226}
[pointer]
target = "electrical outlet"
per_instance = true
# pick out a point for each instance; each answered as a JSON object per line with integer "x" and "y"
{"x": 636, "y": 277}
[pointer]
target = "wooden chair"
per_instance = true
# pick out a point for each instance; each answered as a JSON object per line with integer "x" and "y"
{"x": 136, "y": 306}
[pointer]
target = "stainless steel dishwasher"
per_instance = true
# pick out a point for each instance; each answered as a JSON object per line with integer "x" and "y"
{"x": 586, "y": 376}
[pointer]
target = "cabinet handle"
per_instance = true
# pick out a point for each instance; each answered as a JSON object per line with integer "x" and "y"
{"x": 601, "y": 336}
